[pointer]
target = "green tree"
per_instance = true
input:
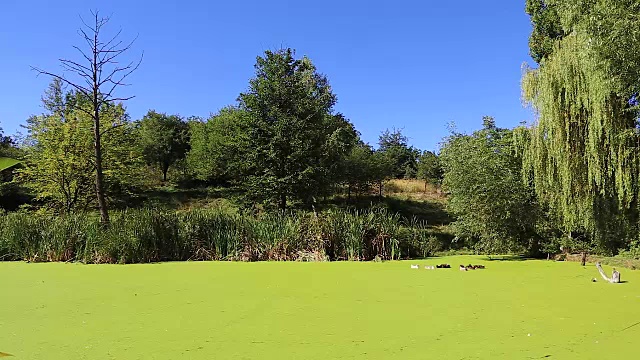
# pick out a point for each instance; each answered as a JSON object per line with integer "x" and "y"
{"x": 403, "y": 157}
{"x": 429, "y": 169}
{"x": 218, "y": 145}
{"x": 547, "y": 28}
{"x": 358, "y": 172}
{"x": 382, "y": 168}
{"x": 582, "y": 152}
{"x": 288, "y": 106}
{"x": 492, "y": 206}
{"x": 164, "y": 139}
{"x": 9, "y": 154}
{"x": 7, "y": 146}
{"x": 342, "y": 137}
{"x": 98, "y": 74}
{"x": 59, "y": 160}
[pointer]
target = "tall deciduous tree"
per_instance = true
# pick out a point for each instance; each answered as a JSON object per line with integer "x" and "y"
{"x": 547, "y": 28}
{"x": 381, "y": 167}
{"x": 429, "y": 168}
{"x": 97, "y": 75}
{"x": 164, "y": 139}
{"x": 341, "y": 138}
{"x": 218, "y": 145}
{"x": 358, "y": 172}
{"x": 288, "y": 106}
{"x": 403, "y": 157}
{"x": 492, "y": 206}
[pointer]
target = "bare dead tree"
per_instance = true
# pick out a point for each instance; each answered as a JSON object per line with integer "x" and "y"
{"x": 615, "y": 277}
{"x": 97, "y": 75}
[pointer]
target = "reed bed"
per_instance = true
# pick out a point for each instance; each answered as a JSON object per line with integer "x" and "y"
{"x": 151, "y": 235}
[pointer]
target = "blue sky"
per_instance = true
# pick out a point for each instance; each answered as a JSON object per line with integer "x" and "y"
{"x": 415, "y": 65}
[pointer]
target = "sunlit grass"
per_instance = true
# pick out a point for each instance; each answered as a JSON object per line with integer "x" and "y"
{"x": 6, "y": 163}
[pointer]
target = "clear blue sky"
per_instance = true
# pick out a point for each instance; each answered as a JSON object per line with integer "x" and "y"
{"x": 416, "y": 65}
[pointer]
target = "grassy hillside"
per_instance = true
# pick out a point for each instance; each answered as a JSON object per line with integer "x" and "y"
{"x": 6, "y": 163}
{"x": 348, "y": 310}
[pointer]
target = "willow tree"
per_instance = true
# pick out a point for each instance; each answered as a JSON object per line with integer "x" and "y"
{"x": 582, "y": 152}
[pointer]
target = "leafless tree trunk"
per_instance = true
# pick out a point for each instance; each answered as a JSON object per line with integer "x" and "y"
{"x": 615, "y": 277}
{"x": 97, "y": 75}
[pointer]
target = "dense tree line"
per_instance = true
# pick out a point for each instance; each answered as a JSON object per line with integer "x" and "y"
{"x": 569, "y": 179}
{"x": 281, "y": 144}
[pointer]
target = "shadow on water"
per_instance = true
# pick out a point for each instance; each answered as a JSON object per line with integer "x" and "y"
{"x": 506, "y": 258}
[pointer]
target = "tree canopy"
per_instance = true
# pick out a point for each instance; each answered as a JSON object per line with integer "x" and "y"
{"x": 289, "y": 109}
{"x": 218, "y": 144}
{"x": 164, "y": 139}
{"x": 494, "y": 209}
{"x": 60, "y": 163}
{"x": 429, "y": 168}
{"x": 403, "y": 157}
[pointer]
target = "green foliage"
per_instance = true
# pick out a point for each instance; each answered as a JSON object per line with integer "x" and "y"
{"x": 10, "y": 191}
{"x": 403, "y": 157}
{"x": 342, "y": 138}
{"x": 381, "y": 168}
{"x": 6, "y": 175}
{"x": 632, "y": 253}
{"x": 139, "y": 236}
{"x": 59, "y": 162}
{"x": 218, "y": 144}
{"x": 292, "y": 132}
{"x": 614, "y": 36}
{"x": 547, "y": 28}
{"x": 491, "y": 204}
{"x": 429, "y": 168}
{"x": 164, "y": 139}
{"x": 6, "y": 143}
{"x": 358, "y": 169}
{"x": 8, "y": 149}
{"x": 582, "y": 153}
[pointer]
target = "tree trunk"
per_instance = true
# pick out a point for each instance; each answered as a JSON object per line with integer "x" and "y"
{"x": 425, "y": 187}
{"x": 615, "y": 277}
{"x": 102, "y": 203}
{"x": 583, "y": 259}
{"x": 380, "y": 189}
{"x": 165, "y": 170}
{"x": 349, "y": 192}
{"x": 283, "y": 202}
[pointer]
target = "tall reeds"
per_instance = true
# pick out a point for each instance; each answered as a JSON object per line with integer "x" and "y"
{"x": 150, "y": 235}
